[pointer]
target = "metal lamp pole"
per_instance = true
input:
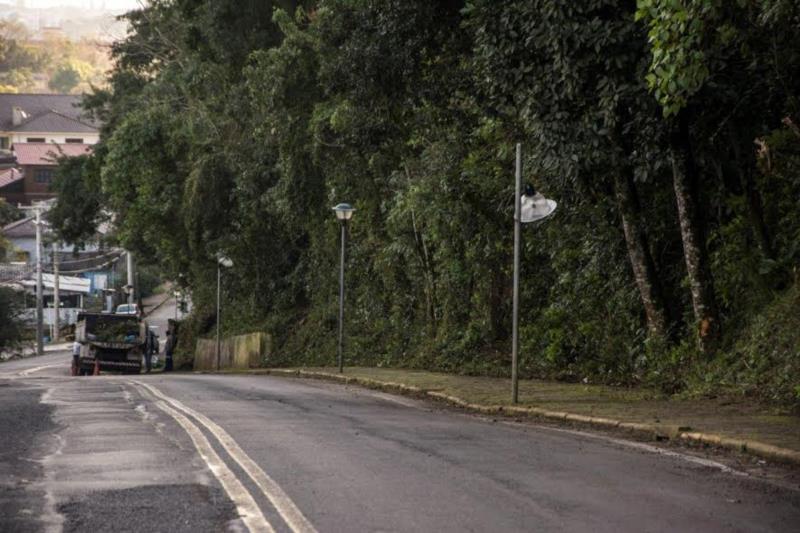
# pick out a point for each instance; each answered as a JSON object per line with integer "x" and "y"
{"x": 344, "y": 212}
{"x": 219, "y": 284}
{"x": 130, "y": 286}
{"x": 515, "y": 310}
{"x": 535, "y": 207}
{"x": 341, "y": 296}
{"x": 222, "y": 261}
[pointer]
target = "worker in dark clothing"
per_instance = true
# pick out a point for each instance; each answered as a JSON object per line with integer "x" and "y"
{"x": 169, "y": 349}
{"x": 149, "y": 349}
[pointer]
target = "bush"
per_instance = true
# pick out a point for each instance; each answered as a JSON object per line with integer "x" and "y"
{"x": 10, "y": 323}
{"x": 764, "y": 362}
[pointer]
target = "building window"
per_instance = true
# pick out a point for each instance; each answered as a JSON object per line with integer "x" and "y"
{"x": 4, "y": 143}
{"x": 74, "y": 140}
{"x": 44, "y": 175}
{"x": 35, "y": 139}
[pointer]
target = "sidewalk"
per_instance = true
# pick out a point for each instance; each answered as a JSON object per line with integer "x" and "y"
{"x": 154, "y": 301}
{"x": 29, "y": 350}
{"x": 730, "y": 423}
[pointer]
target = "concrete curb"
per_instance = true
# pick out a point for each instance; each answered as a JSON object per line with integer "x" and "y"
{"x": 675, "y": 433}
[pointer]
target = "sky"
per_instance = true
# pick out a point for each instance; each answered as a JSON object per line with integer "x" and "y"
{"x": 110, "y": 4}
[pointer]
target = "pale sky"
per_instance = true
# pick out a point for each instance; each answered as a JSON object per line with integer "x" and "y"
{"x": 110, "y": 4}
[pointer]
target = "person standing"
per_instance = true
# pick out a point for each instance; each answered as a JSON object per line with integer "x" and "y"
{"x": 148, "y": 351}
{"x": 76, "y": 357}
{"x": 169, "y": 348}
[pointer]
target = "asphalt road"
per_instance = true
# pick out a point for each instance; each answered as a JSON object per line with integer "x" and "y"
{"x": 192, "y": 452}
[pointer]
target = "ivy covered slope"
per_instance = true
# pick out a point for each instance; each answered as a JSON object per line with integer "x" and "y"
{"x": 667, "y": 131}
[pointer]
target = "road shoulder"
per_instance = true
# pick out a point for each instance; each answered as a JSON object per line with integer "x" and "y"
{"x": 628, "y": 413}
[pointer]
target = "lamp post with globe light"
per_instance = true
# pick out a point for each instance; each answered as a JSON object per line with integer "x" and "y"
{"x": 344, "y": 212}
{"x": 222, "y": 261}
{"x": 528, "y": 207}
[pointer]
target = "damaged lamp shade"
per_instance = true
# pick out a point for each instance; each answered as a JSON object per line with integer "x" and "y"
{"x": 535, "y": 207}
{"x": 224, "y": 261}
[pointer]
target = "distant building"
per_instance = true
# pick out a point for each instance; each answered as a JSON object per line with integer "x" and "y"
{"x": 37, "y": 128}
{"x": 37, "y": 164}
{"x": 44, "y": 118}
{"x": 90, "y": 271}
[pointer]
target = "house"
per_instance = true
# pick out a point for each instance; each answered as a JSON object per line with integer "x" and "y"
{"x": 35, "y": 129}
{"x": 71, "y": 293}
{"x": 92, "y": 262}
{"x": 12, "y": 186}
{"x": 37, "y": 164}
{"x": 88, "y": 272}
{"x": 44, "y": 118}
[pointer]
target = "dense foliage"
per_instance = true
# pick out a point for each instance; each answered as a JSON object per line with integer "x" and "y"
{"x": 11, "y": 327}
{"x": 66, "y": 65}
{"x": 667, "y": 131}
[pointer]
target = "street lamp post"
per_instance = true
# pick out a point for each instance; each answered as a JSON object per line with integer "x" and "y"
{"x": 222, "y": 261}
{"x": 176, "y": 295}
{"x": 344, "y": 212}
{"x": 530, "y": 207}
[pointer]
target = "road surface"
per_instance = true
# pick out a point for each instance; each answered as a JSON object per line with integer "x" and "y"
{"x": 193, "y": 452}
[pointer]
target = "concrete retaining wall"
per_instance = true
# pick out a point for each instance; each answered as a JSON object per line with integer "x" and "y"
{"x": 242, "y": 351}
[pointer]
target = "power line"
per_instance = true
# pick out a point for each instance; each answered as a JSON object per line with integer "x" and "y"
{"x": 94, "y": 258}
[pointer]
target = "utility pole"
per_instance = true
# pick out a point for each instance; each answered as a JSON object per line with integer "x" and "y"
{"x": 39, "y": 287}
{"x": 37, "y": 209}
{"x": 56, "y": 298}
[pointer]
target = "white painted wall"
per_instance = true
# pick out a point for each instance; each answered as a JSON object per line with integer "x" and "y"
{"x": 59, "y": 138}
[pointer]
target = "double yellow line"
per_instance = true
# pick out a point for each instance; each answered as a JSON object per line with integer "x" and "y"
{"x": 251, "y": 514}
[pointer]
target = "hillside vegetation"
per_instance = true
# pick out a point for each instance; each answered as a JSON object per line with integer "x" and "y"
{"x": 666, "y": 131}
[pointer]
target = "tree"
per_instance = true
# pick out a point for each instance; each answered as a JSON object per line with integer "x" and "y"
{"x": 593, "y": 124}
{"x": 64, "y": 79}
{"x": 18, "y": 61}
{"x": 10, "y": 322}
{"x": 715, "y": 79}
{"x": 78, "y": 209}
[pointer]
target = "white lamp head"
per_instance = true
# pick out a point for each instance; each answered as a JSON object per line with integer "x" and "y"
{"x": 344, "y": 212}
{"x": 535, "y": 207}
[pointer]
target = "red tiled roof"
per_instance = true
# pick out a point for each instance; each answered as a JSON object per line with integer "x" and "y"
{"x": 9, "y": 176}
{"x": 46, "y": 153}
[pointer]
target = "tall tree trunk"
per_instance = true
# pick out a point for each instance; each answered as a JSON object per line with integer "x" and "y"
{"x": 745, "y": 167}
{"x": 644, "y": 270}
{"x": 427, "y": 268}
{"x": 684, "y": 177}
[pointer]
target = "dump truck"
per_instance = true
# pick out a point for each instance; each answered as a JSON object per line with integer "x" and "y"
{"x": 110, "y": 342}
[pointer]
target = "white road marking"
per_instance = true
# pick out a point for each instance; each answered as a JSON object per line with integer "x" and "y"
{"x": 643, "y": 447}
{"x": 269, "y": 487}
{"x": 28, "y": 372}
{"x": 248, "y": 509}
